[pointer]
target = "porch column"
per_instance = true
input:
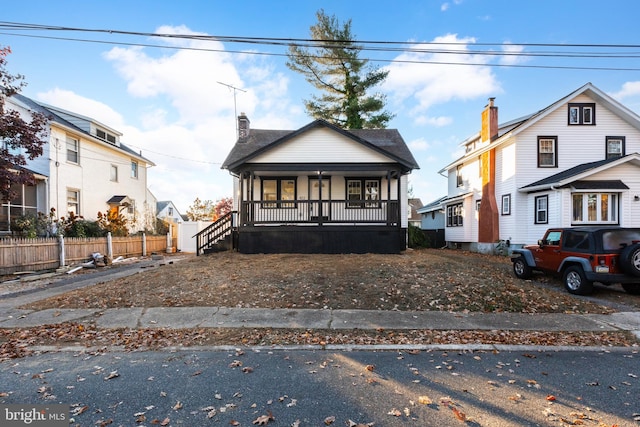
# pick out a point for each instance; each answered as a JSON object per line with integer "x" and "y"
{"x": 241, "y": 198}
{"x": 400, "y": 198}
{"x": 320, "y": 198}
{"x": 388, "y": 197}
{"x": 251, "y": 206}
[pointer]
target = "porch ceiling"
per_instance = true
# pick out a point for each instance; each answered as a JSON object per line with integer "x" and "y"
{"x": 347, "y": 168}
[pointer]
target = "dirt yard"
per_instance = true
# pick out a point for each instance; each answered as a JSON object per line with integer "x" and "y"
{"x": 442, "y": 280}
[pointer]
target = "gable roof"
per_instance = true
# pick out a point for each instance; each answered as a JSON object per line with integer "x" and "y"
{"x": 514, "y": 127}
{"x": 388, "y": 142}
{"x": 575, "y": 175}
{"x": 53, "y": 116}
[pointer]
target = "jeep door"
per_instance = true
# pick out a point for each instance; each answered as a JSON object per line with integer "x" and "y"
{"x": 548, "y": 256}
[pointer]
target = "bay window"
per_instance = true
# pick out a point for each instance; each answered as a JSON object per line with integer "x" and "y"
{"x": 597, "y": 208}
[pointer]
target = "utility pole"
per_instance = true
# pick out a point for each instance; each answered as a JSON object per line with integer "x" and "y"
{"x": 235, "y": 110}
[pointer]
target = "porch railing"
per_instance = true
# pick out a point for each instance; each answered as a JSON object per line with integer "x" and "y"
{"x": 318, "y": 212}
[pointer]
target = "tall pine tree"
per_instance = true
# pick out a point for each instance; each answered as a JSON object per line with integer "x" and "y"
{"x": 334, "y": 67}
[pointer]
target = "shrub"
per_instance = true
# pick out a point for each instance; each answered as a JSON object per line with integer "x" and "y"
{"x": 417, "y": 238}
{"x": 113, "y": 221}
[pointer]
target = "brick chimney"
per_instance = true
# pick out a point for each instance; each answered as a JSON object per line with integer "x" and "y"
{"x": 488, "y": 216}
{"x": 243, "y": 126}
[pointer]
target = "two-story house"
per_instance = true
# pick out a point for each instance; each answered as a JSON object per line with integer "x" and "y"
{"x": 572, "y": 163}
{"x": 84, "y": 169}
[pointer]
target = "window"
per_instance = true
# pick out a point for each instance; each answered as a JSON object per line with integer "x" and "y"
{"x": 131, "y": 207}
{"x": 542, "y": 209}
{"x": 459, "y": 180}
{"x": 547, "y": 151}
{"x": 478, "y": 204}
{"x": 106, "y": 136}
{"x": 73, "y": 201}
{"x": 582, "y": 114}
{"x": 170, "y": 211}
{"x": 114, "y": 173}
{"x": 278, "y": 189}
{"x": 454, "y": 215}
{"x": 594, "y": 208}
{"x": 134, "y": 169}
{"x": 24, "y": 203}
{"x": 72, "y": 150}
{"x": 615, "y": 146}
{"x": 363, "y": 189}
{"x": 372, "y": 193}
{"x": 506, "y": 204}
{"x": 577, "y": 240}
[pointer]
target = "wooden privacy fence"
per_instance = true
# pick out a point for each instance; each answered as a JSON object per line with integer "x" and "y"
{"x": 47, "y": 253}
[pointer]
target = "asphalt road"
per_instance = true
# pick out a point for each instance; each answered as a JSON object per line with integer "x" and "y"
{"x": 388, "y": 388}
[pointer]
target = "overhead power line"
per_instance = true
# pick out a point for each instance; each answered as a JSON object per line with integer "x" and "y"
{"x": 596, "y": 51}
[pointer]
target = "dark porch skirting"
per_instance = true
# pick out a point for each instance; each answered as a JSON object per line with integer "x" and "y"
{"x": 322, "y": 240}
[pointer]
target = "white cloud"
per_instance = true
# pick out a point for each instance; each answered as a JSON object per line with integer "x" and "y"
{"x": 419, "y": 144}
{"x": 188, "y": 125}
{"x": 439, "y": 72}
{"x": 87, "y": 107}
{"x": 629, "y": 89}
{"x": 433, "y": 121}
{"x": 512, "y": 56}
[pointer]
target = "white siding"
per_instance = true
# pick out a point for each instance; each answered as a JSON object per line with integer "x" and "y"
{"x": 576, "y": 144}
{"x": 321, "y": 146}
{"x": 506, "y": 185}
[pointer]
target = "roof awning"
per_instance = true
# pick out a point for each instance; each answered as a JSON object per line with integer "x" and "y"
{"x": 119, "y": 201}
{"x": 599, "y": 185}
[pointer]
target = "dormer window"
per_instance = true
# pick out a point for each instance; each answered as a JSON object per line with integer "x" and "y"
{"x": 582, "y": 114}
{"x": 106, "y": 136}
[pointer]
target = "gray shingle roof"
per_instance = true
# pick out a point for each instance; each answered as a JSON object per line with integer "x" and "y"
{"x": 571, "y": 172}
{"x": 386, "y": 141}
{"x": 51, "y": 115}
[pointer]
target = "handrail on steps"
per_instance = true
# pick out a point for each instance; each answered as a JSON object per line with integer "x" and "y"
{"x": 215, "y": 232}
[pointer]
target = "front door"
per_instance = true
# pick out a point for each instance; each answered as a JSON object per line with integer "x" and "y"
{"x": 319, "y": 198}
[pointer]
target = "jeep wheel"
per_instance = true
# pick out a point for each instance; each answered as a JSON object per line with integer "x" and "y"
{"x": 630, "y": 260}
{"x": 631, "y": 288}
{"x": 575, "y": 281}
{"x": 521, "y": 269}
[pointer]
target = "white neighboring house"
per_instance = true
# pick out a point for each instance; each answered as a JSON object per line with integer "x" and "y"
{"x": 84, "y": 169}
{"x": 573, "y": 163}
{"x": 167, "y": 211}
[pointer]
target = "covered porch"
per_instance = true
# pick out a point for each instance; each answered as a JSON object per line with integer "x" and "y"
{"x": 338, "y": 209}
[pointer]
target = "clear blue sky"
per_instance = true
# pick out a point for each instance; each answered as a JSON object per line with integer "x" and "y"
{"x": 169, "y": 104}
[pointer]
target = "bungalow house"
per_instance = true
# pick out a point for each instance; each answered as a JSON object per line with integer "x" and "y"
{"x": 572, "y": 163}
{"x": 318, "y": 189}
{"x": 84, "y": 169}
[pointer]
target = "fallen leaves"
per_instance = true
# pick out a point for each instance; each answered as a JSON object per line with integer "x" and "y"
{"x": 264, "y": 419}
{"x": 442, "y": 280}
{"x": 112, "y": 375}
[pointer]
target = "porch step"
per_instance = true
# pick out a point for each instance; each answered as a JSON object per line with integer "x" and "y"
{"x": 219, "y": 246}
